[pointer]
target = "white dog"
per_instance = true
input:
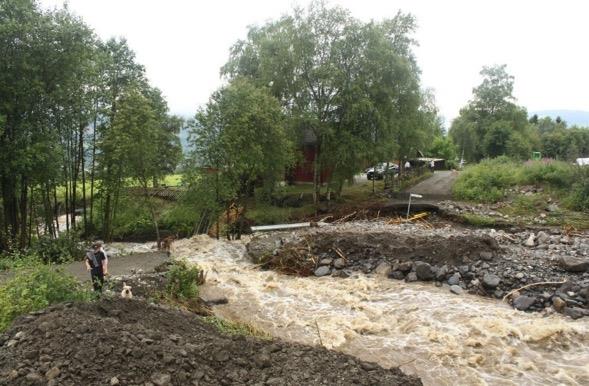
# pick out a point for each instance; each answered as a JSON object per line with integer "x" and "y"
{"x": 126, "y": 292}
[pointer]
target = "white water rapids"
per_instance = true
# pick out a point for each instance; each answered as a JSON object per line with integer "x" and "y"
{"x": 443, "y": 338}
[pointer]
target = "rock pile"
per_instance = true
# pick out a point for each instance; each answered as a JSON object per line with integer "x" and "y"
{"x": 129, "y": 342}
{"x": 484, "y": 262}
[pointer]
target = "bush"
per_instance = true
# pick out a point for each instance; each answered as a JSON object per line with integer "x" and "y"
{"x": 67, "y": 247}
{"x": 486, "y": 181}
{"x": 36, "y": 287}
{"x": 183, "y": 280}
{"x": 554, "y": 174}
{"x": 578, "y": 199}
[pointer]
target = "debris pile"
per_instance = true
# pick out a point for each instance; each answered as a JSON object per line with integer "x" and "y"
{"x": 545, "y": 271}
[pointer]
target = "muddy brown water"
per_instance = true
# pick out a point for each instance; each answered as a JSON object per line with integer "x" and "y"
{"x": 443, "y": 338}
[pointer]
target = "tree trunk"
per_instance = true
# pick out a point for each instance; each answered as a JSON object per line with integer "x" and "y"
{"x": 24, "y": 190}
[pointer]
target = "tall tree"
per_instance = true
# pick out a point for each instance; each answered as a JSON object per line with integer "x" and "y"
{"x": 486, "y": 124}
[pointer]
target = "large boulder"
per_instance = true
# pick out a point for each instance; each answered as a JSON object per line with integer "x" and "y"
{"x": 491, "y": 281}
{"x": 574, "y": 264}
{"x": 383, "y": 269}
{"x": 523, "y": 302}
{"x": 322, "y": 271}
{"x": 424, "y": 271}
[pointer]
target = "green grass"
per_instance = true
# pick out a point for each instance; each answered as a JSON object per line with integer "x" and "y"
{"x": 235, "y": 328}
{"x": 479, "y": 220}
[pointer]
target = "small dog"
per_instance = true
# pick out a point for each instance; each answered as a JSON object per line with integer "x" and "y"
{"x": 126, "y": 292}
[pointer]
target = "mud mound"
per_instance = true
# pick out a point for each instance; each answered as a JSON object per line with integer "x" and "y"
{"x": 129, "y": 342}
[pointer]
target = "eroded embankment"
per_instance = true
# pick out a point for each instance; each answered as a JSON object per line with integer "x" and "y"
{"x": 443, "y": 338}
{"x": 482, "y": 262}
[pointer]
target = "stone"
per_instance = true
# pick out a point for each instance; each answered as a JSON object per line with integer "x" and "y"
{"x": 456, "y": 289}
{"x": 584, "y": 292}
{"x": 339, "y": 263}
{"x": 491, "y": 281}
{"x": 543, "y": 238}
{"x": 424, "y": 271}
{"x": 221, "y": 356}
{"x": 574, "y": 264}
{"x": 341, "y": 274}
{"x": 404, "y": 266}
{"x": 262, "y": 361}
{"x": 530, "y": 242}
{"x": 19, "y": 335}
{"x": 326, "y": 261}
{"x": 383, "y": 269}
{"x": 442, "y": 272}
{"x": 322, "y": 271}
{"x": 34, "y": 378}
{"x": 474, "y": 283}
{"x": 552, "y": 208}
{"x": 454, "y": 279}
{"x": 161, "y": 379}
{"x": 575, "y": 312}
{"x": 412, "y": 276}
{"x": 519, "y": 275}
{"x": 486, "y": 255}
{"x": 523, "y": 302}
{"x": 114, "y": 381}
{"x": 52, "y": 373}
{"x": 558, "y": 304}
{"x": 397, "y": 275}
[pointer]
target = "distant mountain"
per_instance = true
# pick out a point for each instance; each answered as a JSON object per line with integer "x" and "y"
{"x": 571, "y": 117}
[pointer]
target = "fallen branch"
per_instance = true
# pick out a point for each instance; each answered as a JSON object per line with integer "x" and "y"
{"x": 325, "y": 218}
{"x": 345, "y": 217}
{"x": 340, "y": 254}
{"x": 318, "y": 333}
{"x": 532, "y": 285}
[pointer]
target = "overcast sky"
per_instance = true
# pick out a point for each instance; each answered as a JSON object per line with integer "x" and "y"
{"x": 183, "y": 43}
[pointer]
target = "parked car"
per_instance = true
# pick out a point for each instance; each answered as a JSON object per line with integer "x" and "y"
{"x": 378, "y": 172}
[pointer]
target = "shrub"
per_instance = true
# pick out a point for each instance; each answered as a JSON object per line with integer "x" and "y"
{"x": 486, "y": 181}
{"x": 67, "y": 247}
{"x": 554, "y": 174}
{"x": 183, "y": 280}
{"x": 578, "y": 199}
{"x": 36, "y": 287}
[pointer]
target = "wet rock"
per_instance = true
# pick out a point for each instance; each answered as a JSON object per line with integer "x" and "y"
{"x": 326, "y": 261}
{"x": 456, "y": 289}
{"x": 412, "y": 276}
{"x": 424, "y": 271}
{"x": 383, "y": 269}
{"x": 523, "y": 302}
{"x": 558, "y": 304}
{"x": 454, "y": 279}
{"x": 339, "y": 263}
{"x": 441, "y": 273}
{"x": 574, "y": 264}
{"x": 397, "y": 275}
{"x": 498, "y": 294}
{"x": 491, "y": 281}
{"x": 341, "y": 274}
{"x": 322, "y": 271}
{"x": 575, "y": 312}
{"x": 404, "y": 266}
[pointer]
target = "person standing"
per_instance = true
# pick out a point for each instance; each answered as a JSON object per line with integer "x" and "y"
{"x": 97, "y": 265}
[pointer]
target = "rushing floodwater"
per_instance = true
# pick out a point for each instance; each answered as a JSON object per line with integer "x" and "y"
{"x": 443, "y": 338}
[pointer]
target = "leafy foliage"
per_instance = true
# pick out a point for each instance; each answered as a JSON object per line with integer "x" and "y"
{"x": 36, "y": 287}
{"x": 183, "y": 280}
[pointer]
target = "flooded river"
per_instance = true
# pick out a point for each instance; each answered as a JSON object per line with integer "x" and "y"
{"x": 443, "y": 338}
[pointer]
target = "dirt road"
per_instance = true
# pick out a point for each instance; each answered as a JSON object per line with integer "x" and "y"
{"x": 438, "y": 186}
{"x": 123, "y": 265}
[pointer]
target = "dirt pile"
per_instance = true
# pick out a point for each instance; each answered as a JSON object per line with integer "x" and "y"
{"x": 130, "y": 342}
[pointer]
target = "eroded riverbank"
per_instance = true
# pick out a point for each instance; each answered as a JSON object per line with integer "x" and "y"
{"x": 427, "y": 331}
